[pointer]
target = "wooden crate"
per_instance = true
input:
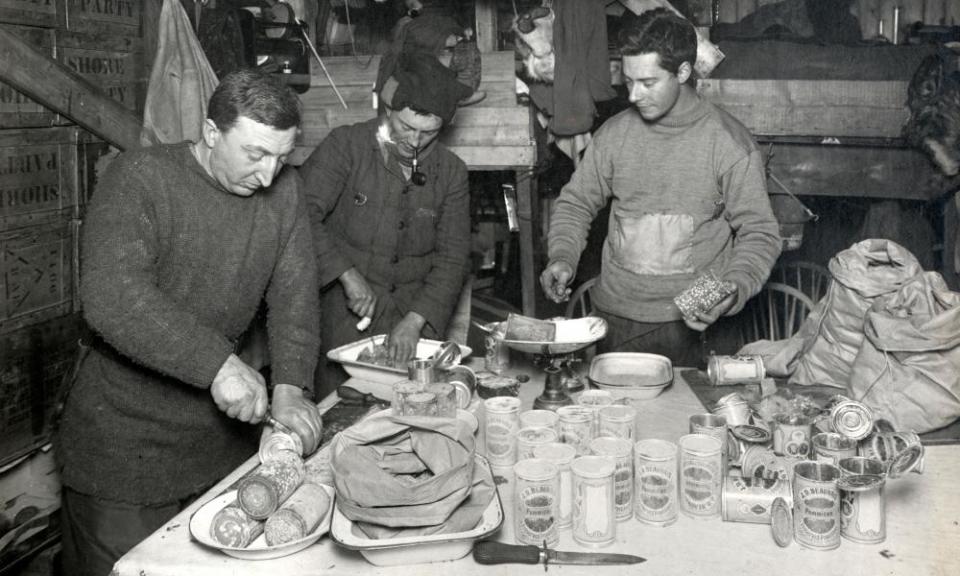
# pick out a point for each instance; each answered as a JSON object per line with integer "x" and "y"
{"x": 33, "y": 363}
{"x": 44, "y": 13}
{"x": 114, "y": 16}
{"x": 38, "y": 176}
{"x": 38, "y": 273}
{"x": 16, "y": 109}
{"x": 113, "y": 63}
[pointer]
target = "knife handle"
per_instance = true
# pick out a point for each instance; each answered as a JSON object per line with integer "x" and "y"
{"x": 489, "y": 552}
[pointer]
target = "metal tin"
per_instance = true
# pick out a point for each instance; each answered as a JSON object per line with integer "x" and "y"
{"x": 816, "y": 505}
{"x": 421, "y": 370}
{"x": 562, "y": 455}
{"x": 859, "y": 466}
{"x": 539, "y": 419}
{"x": 279, "y": 445}
{"x": 464, "y": 380}
{"x": 710, "y": 425}
{"x": 594, "y": 520}
{"x": 502, "y": 416}
{"x": 595, "y": 400}
{"x": 850, "y": 418}
{"x": 621, "y": 451}
{"x": 905, "y": 461}
{"x": 576, "y": 427}
{"x": 781, "y": 522}
{"x": 791, "y": 436}
{"x": 729, "y": 370}
{"x": 618, "y": 421}
{"x": 490, "y": 385}
{"x": 529, "y": 438}
{"x": 750, "y": 499}
{"x": 831, "y": 447}
{"x": 900, "y": 452}
{"x": 742, "y": 438}
{"x": 536, "y": 499}
{"x": 496, "y": 357}
{"x": 701, "y": 475}
{"x": 655, "y": 482}
{"x": 734, "y": 408}
{"x": 863, "y": 516}
{"x": 759, "y": 461}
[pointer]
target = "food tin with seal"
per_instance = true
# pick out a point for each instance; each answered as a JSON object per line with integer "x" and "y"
{"x": 759, "y": 461}
{"x": 502, "y": 422}
{"x": 863, "y": 509}
{"x": 816, "y": 505}
{"x": 655, "y": 484}
{"x": 575, "y": 425}
{"x": 850, "y": 418}
{"x": 791, "y": 435}
{"x": 529, "y": 438}
{"x": 618, "y": 421}
{"x": 739, "y": 369}
{"x": 831, "y": 447}
{"x": 734, "y": 408}
{"x": 621, "y": 451}
{"x": 701, "y": 475}
{"x": 490, "y": 385}
{"x": 537, "y": 502}
{"x": 900, "y": 452}
{"x": 594, "y": 520}
{"x": 742, "y": 438}
{"x": 750, "y": 499}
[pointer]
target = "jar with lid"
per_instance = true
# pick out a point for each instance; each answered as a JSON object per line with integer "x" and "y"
{"x": 536, "y": 499}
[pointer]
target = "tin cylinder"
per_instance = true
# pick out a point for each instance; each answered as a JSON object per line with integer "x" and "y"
{"x": 575, "y": 425}
{"x": 595, "y": 400}
{"x": 701, "y": 475}
{"x": 655, "y": 482}
{"x": 759, "y": 461}
{"x": 863, "y": 514}
{"x": 831, "y": 447}
{"x": 710, "y": 425}
{"x": 529, "y": 438}
{"x": 859, "y": 466}
{"x": 900, "y": 452}
{"x": 618, "y": 421}
{"x": 751, "y": 499}
{"x": 446, "y": 394}
{"x": 421, "y": 371}
{"x": 562, "y": 455}
{"x": 280, "y": 444}
{"x": 734, "y": 408}
{"x": 535, "y": 498}
{"x": 502, "y": 422}
{"x": 538, "y": 419}
{"x": 816, "y": 505}
{"x": 621, "y": 451}
{"x": 742, "y": 438}
{"x": 496, "y": 357}
{"x": 421, "y": 404}
{"x": 728, "y": 370}
{"x": 464, "y": 381}
{"x": 594, "y": 520}
{"x": 791, "y": 436}
{"x": 850, "y": 418}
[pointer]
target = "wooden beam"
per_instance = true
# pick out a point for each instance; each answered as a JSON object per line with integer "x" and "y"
{"x": 57, "y": 87}
{"x": 486, "y": 15}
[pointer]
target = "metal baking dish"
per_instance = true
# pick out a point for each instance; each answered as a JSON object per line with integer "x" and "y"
{"x": 347, "y": 355}
{"x": 417, "y": 549}
{"x": 631, "y": 374}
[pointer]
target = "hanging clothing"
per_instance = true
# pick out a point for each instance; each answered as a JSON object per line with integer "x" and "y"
{"x": 181, "y": 82}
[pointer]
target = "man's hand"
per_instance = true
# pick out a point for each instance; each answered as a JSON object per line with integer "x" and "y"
{"x": 707, "y": 318}
{"x": 402, "y": 341}
{"x": 292, "y": 409}
{"x": 555, "y": 279}
{"x": 239, "y": 391}
{"x": 361, "y": 299}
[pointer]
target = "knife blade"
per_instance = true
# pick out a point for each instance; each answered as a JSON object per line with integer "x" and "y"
{"x": 489, "y": 552}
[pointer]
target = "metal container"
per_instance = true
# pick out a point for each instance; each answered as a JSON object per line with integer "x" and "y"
{"x": 863, "y": 515}
{"x": 791, "y": 436}
{"x": 562, "y": 455}
{"x": 850, "y": 418}
{"x": 496, "y": 357}
{"x": 742, "y": 438}
{"x": 729, "y": 370}
{"x": 529, "y": 438}
{"x": 751, "y": 499}
{"x": 816, "y": 505}
{"x": 734, "y": 408}
{"x": 537, "y": 502}
{"x": 759, "y": 461}
{"x": 701, "y": 475}
{"x": 621, "y": 451}
{"x": 576, "y": 427}
{"x": 464, "y": 380}
{"x": 502, "y": 416}
{"x": 594, "y": 520}
{"x": 618, "y": 421}
{"x": 831, "y": 447}
{"x": 655, "y": 477}
{"x": 900, "y": 452}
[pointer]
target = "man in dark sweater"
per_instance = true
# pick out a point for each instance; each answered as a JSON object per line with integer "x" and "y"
{"x": 180, "y": 245}
{"x": 687, "y": 195}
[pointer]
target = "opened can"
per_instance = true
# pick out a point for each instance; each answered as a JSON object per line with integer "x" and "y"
{"x": 734, "y": 408}
{"x": 751, "y": 499}
{"x": 594, "y": 520}
{"x": 621, "y": 451}
{"x": 562, "y": 455}
{"x": 740, "y": 369}
{"x": 863, "y": 516}
{"x": 831, "y": 447}
{"x": 576, "y": 427}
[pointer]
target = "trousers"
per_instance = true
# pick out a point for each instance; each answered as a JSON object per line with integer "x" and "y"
{"x": 675, "y": 340}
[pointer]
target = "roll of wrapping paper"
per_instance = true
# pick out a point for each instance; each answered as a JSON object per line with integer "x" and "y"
{"x": 233, "y": 527}
{"x": 299, "y": 515}
{"x": 262, "y": 493}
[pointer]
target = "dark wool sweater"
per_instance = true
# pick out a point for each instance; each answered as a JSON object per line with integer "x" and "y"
{"x": 173, "y": 270}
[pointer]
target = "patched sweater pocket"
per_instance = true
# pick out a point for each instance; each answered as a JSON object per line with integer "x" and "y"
{"x": 654, "y": 244}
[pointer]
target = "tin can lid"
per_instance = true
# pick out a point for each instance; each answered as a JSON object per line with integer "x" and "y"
{"x": 751, "y": 434}
{"x": 905, "y": 461}
{"x": 593, "y": 466}
{"x": 852, "y": 419}
{"x": 560, "y": 453}
{"x": 610, "y": 446}
{"x": 860, "y": 482}
{"x": 781, "y": 522}
{"x": 535, "y": 469}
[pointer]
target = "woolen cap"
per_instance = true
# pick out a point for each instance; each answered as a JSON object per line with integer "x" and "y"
{"x": 424, "y": 84}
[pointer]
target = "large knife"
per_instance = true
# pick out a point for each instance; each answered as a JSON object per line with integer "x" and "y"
{"x": 489, "y": 552}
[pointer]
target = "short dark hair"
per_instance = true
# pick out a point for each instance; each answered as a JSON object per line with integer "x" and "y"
{"x": 256, "y": 95}
{"x": 662, "y": 32}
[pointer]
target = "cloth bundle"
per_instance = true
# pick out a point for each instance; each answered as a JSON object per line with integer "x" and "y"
{"x": 410, "y": 475}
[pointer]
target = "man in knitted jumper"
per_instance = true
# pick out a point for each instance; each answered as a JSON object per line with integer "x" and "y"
{"x": 181, "y": 244}
{"x": 688, "y": 195}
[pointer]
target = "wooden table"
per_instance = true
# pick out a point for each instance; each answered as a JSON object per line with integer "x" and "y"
{"x": 923, "y": 530}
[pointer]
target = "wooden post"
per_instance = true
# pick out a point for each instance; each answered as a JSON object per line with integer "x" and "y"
{"x": 486, "y": 16}
{"x": 951, "y": 214}
{"x": 61, "y": 89}
{"x": 529, "y": 238}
